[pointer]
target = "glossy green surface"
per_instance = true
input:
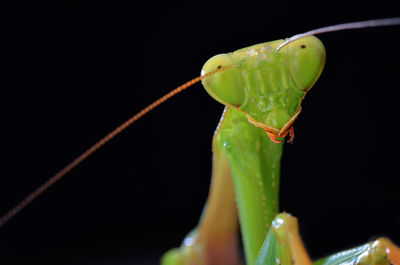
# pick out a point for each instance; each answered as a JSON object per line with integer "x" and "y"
{"x": 255, "y": 165}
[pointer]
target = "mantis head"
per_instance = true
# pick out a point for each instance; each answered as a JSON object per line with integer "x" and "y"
{"x": 265, "y": 83}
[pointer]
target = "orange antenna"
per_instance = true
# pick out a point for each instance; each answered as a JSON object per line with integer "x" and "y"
{"x": 42, "y": 188}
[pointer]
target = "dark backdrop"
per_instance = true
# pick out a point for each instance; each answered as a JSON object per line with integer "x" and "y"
{"x": 70, "y": 73}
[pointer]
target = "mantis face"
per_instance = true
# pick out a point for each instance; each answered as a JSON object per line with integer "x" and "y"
{"x": 267, "y": 85}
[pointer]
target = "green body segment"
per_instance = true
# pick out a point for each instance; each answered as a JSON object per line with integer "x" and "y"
{"x": 255, "y": 166}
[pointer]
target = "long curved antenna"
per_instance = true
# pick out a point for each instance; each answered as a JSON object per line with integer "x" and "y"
{"x": 345, "y": 26}
{"x": 42, "y": 188}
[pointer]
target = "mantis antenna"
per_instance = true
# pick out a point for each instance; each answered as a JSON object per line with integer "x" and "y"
{"x": 345, "y": 26}
{"x": 42, "y": 188}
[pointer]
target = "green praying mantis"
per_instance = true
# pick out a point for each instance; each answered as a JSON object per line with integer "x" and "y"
{"x": 262, "y": 89}
{"x": 260, "y": 227}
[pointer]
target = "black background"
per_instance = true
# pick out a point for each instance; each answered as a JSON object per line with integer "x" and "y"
{"x": 70, "y": 73}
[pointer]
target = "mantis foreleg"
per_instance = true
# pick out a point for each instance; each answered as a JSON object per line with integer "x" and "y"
{"x": 215, "y": 240}
{"x": 283, "y": 246}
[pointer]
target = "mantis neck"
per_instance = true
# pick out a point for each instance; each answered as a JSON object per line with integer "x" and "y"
{"x": 255, "y": 166}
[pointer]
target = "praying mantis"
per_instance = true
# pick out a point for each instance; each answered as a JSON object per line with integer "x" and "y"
{"x": 262, "y": 87}
{"x": 164, "y": 127}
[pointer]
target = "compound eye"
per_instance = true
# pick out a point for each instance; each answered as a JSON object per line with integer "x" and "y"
{"x": 226, "y": 86}
{"x": 306, "y": 59}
